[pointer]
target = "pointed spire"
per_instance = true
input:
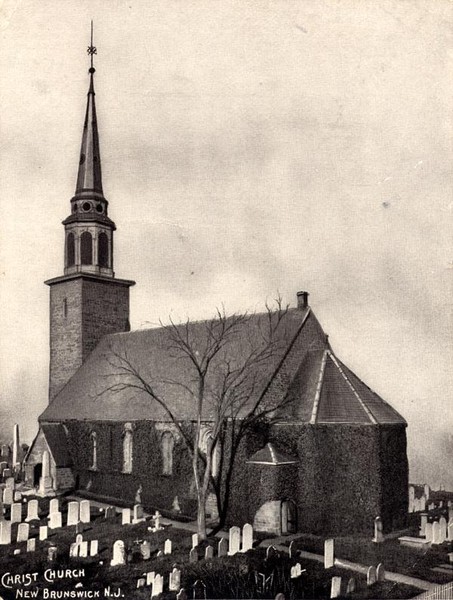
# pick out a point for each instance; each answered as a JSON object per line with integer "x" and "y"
{"x": 89, "y": 178}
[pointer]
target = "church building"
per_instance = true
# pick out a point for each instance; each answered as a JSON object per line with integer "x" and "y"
{"x": 328, "y": 456}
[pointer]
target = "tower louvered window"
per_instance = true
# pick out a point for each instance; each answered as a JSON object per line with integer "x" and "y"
{"x": 103, "y": 250}
{"x": 86, "y": 248}
{"x": 70, "y": 250}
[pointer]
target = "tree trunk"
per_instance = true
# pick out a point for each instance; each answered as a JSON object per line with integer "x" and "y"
{"x": 201, "y": 516}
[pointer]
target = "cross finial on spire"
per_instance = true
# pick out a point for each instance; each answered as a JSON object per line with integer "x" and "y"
{"x": 92, "y": 50}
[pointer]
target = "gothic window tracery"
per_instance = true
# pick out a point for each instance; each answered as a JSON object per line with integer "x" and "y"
{"x": 168, "y": 443}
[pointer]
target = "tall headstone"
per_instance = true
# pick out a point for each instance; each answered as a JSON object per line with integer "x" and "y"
{"x": 16, "y": 448}
{"x": 73, "y": 513}
{"x": 55, "y": 520}
{"x": 46, "y": 481}
{"x": 380, "y": 572}
{"x": 126, "y": 516}
{"x": 422, "y": 504}
{"x": 411, "y": 498}
{"x": 426, "y": 491}
{"x": 23, "y": 531}
{"x": 436, "y": 533}
{"x": 450, "y": 531}
{"x": 222, "y": 548}
{"x": 31, "y": 545}
{"x": 195, "y": 540}
{"x": 378, "y": 534}
{"x": 8, "y": 496}
{"x": 138, "y": 514}
{"x": 85, "y": 511}
{"x": 423, "y": 522}
{"x": 429, "y": 532}
{"x": 156, "y": 518}
{"x": 329, "y": 554}
{"x": 158, "y": 585}
{"x": 16, "y": 513}
{"x": 193, "y": 555}
{"x": 83, "y": 552}
{"x": 443, "y": 529}
{"x": 175, "y": 580}
{"x": 32, "y": 511}
{"x": 43, "y": 532}
{"x": 5, "y": 532}
{"x": 209, "y": 553}
{"x": 371, "y": 576}
{"x": 94, "y": 547}
{"x": 119, "y": 554}
{"x": 145, "y": 550}
{"x": 247, "y": 537}
{"x": 150, "y": 577}
{"x": 54, "y": 505}
{"x": 52, "y": 553}
{"x": 335, "y": 589}
{"x": 234, "y": 541}
{"x": 167, "y": 547}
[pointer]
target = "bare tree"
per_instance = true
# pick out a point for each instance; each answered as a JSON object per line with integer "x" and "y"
{"x": 227, "y": 356}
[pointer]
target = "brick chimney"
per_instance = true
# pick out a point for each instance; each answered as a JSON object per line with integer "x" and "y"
{"x": 302, "y": 300}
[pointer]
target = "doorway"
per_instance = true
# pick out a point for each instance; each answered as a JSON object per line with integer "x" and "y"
{"x": 288, "y": 517}
{"x": 37, "y": 474}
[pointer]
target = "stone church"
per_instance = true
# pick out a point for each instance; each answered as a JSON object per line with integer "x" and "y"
{"x": 329, "y": 459}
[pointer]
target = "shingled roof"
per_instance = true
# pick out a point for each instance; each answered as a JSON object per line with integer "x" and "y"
{"x": 302, "y": 370}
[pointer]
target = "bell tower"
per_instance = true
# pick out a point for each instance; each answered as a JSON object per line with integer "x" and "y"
{"x": 87, "y": 301}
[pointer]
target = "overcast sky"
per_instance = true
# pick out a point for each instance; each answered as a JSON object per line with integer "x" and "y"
{"x": 247, "y": 147}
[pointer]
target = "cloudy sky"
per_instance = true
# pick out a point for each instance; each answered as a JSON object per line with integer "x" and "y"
{"x": 247, "y": 148}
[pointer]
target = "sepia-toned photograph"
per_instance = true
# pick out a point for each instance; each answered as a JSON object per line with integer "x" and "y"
{"x": 226, "y": 259}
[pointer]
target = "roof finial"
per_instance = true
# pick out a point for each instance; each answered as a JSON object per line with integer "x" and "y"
{"x": 92, "y": 50}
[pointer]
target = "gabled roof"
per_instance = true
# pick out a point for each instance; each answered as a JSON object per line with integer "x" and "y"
{"x": 270, "y": 455}
{"x": 302, "y": 374}
{"x": 57, "y": 442}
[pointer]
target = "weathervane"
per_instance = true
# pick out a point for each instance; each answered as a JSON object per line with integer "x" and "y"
{"x": 91, "y": 50}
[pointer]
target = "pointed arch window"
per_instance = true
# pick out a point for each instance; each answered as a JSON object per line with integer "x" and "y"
{"x": 103, "y": 250}
{"x": 168, "y": 442}
{"x": 86, "y": 248}
{"x": 94, "y": 450}
{"x": 70, "y": 250}
{"x": 206, "y": 437}
{"x": 127, "y": 448}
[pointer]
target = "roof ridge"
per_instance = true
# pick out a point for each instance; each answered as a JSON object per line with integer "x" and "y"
{"x": 354, "y": 391}
{"x": 319, "y": 385}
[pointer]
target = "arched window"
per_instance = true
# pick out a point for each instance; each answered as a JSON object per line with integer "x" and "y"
{"x": 94, "y": 450}
{"x": 127, "y": 448}
{"x": 70, "y": 250}
{"x": 103, "y": 250}
{"x": 206, "y": 437}
{"x": 86, "y": 248}
{"x": 168, "y": 442}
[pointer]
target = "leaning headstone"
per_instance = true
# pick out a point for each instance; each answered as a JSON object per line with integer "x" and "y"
{"x": 175, "y": 580}
{"x": 55, "y": 520}
{"x": 159, "y": 554}
{"x": 23, "y": 531}
{"x": 380, "y": 572}
{"x": 73, "y": 513}
{"x": 247, "y": 537}
{"x": 209, "y": 553}
{"x": 350, "y": 589}
{"x": 199, "y": 590}
{"x": 119, "y": 554}
{"x": 94, "y": 547}
{"x": 193, "y": 555}
{"x": 5, "y": 532}
{"x": 32, "y": 511}
{"x": 158, "y": 585}
{"x": 222, "y": 548}
{"x": 371, "y": 576}
{"x": 126, "y": 516}
{"x": 83, "y": 552}
{"x": 85, "y": 514}
{"x": 378, "y": 535}
{"x": 195, "y": 540}
{"x": 8, "y": 496}
{"x": 54, "y": 505}
{"x": 335, "y": 589}
{"x": 443, "y": 529}
{"x": 31, "y": 545}
{"x": 182, "y": 595}
{"x": 436, "y": 533}
{"x": 52, "y": 553}
{"x": 167, "y": 547}
{"x": 145, "y": 550}
{"x": 329, "y": 553}
{"x": 43, "y": 532}
{"x": 234, "y": 541}
{"x": 16, "y": 513}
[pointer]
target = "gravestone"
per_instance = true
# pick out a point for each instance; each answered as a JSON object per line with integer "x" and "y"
{"x": 436, "y": 533}
{"x": 209, "y": 553}
{"x": 3, "y": 466}
{"x": 234, "y": 541}
{"x": 160, "y": 553}
{"x": 52, "y": 553}
{"x": 46, "y": 481}
{"x": 182, "y": 595}
{"x": 158, "y": 585}
{"x": 17, "y": 496}
{"x": 380, "y": 572}
{"x": 294, "y": 573}
{"x": 32, "y": 511}
{"x": 193, "y": 555}
{"x": 422, "y": 504}
{"x": 16, "y": 551}
{"x": 292, "y": 549}
{"x": 247, "y": 537}
{"x": 157, "y": 517}
{"x": 119, "y": 554}
{"x": 350, "y": 589}
{"x": 55, "y": 520}
{"x": 10, "y": 484}
{"x": 426, "y": 491}
{"x": 335, "y": 588}
{"x": 167, "y": 547}
{"x": 73, "y": 513}
{"x": 138, "y": 514}
{"x": 141, "y": 582}
{"x": 423, "y": 522}
{"x": 199, "y": 590}
{"x": 83, "y": 552}
{"x": 175, "y": 580}
{"x": 5, "y": 532}
{"x": 175, "y": 506}
{"x": 429, "y": 532}
{"x": 329, "y": 553}
{"x": 85, "y": 511}
{"x": 74, "y": 550}
{"x": 126, "y": 516}
{"x": 371, "y": 576}
{"x": 43, "y": 532}
{"x": 378, "y": 535}
{"x": 450, "y": 531}
{"x": 94, "y": 547}
{"x": 271, "y": 552}
{"x": 145, "y": 550}
{"x": 31, "y": 545}
{"x": 16, "y": 513}
{"x": 54, "y": 505}
{"x": 222, "y": 548}
{"x": 8, "y": 496}
{"x": 431, "y": 506}
{"x": 194, "y": 540}
{"x": 150, "y": 578}
{"x": 110, "y": 513}
{"x": 443, "y": 529}
{"x": 79, "y": 538}
{"x": 23, "y": 531}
